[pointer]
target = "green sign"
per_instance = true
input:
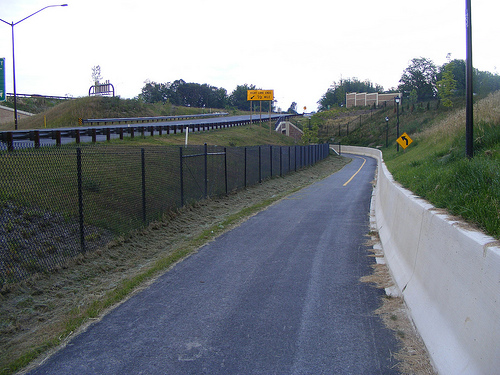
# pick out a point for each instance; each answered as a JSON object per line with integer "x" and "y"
{"x": 2, "y": 79}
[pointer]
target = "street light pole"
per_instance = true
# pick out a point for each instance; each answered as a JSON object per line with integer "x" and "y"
{"x": 386, "y": 131}
{"x": 469, "y": 119}
{"x": 12, "y": 24}
{"x": 397, "y": 100}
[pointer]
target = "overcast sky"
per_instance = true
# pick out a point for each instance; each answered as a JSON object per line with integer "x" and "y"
{"x": 297, "y": 48}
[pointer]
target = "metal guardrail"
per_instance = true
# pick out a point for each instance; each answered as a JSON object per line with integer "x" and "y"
{"x": 148, "y": 119}
{"x": 75, "y": 134}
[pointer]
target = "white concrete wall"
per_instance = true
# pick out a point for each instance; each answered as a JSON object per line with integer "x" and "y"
{"x": 448, "y": 275}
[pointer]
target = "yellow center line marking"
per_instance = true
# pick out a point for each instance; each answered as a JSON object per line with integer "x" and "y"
{"x": 354, "y": 175}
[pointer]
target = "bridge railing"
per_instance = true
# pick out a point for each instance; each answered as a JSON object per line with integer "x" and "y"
{"x": 10, "y": 139}
{"x": 137, "y": 120}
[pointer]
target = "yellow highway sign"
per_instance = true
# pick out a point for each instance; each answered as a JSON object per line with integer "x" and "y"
{"x": 260, "y": 94}
{"x": 404, "y": 141}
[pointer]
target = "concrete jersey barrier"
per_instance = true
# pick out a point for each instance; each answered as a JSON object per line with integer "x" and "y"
{"x": 447, "y": 272}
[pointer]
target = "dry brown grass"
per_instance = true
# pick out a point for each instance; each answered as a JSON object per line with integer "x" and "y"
{"x": 486, "y": 110}
{"x": 412, "y": 357}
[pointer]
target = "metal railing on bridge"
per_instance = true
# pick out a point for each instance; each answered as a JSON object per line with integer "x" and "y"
{"x": 9, "y": 139}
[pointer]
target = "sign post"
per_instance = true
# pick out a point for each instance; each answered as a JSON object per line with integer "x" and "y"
{"x": 2, "y": 79}
{"x": 260, "y": 95}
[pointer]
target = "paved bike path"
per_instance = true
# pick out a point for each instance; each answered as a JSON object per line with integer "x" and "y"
{"x": 280, "y": 294}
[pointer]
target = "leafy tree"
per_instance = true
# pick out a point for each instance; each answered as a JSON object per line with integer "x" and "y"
{"x": 420, "y": 75}
{"x": 238, "y": 97}
{"x": 310, "y": 135}
{"x": 182, "y": 93}
{"x": 413, "y": 97}
{"x": 96, "y": 74}
{"x": 153, "y": 92}
{"x": 447, "y": 85}
{"x": 292, "y": 109}
{"x": 458, "y": 71}
{"x": 485, "y": 82}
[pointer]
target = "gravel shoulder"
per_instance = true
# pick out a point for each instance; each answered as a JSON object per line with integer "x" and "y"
{"x": 41, "y": 314}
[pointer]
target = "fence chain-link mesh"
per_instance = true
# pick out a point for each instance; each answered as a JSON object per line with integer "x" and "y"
{"x": 57, "y": 202}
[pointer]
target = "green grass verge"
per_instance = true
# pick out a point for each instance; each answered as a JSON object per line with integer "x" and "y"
{"x": 435, "y": 167}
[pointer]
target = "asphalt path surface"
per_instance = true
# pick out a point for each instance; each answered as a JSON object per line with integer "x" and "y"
{"x": 280, "y": 294}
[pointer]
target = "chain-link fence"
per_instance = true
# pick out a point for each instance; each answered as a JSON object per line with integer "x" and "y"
{"x": 57, "y": 202}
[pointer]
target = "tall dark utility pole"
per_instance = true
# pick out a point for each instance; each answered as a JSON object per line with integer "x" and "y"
{"x": 469, "y": 121}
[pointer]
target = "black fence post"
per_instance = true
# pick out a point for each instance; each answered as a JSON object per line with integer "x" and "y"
{"x": 225, "y": 168}
{"x": 206, "y": 171}
{"x": 271, "y": 160}
{"x": 295, "y": 158}
{"x": 245, "y": 174}
{"x": 143, "y": 163}
{"x": 181, "y": 176}
{"x": 260, "y": 165}
{"x": 281, "y": 161}
{"x": 80, "y": 197}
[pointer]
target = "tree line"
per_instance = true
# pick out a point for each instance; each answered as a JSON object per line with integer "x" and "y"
{"x": 190, "y": 94}
{"x": 421, "y": 81}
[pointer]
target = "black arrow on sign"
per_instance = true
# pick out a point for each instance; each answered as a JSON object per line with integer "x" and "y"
{"x": 252, "y": 97}
{"x": 405, "y": 139}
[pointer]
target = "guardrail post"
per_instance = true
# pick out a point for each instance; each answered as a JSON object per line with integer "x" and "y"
{"x": 37, "y": 139}
{"x": 77, "y": 136}
{"x": 58, "y": 137}
{"x": 132, "y": 132}
{"x": 108, "y": 134}
{"x": 10, "y": 141}
{"x": 94, "y": 136}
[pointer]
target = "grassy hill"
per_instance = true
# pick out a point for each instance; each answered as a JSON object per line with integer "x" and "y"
{"x": 65, "y": 113}
{"x": 434, "y": 166}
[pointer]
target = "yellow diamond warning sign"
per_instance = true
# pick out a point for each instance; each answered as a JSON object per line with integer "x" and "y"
{"x": 404, "y": 141}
